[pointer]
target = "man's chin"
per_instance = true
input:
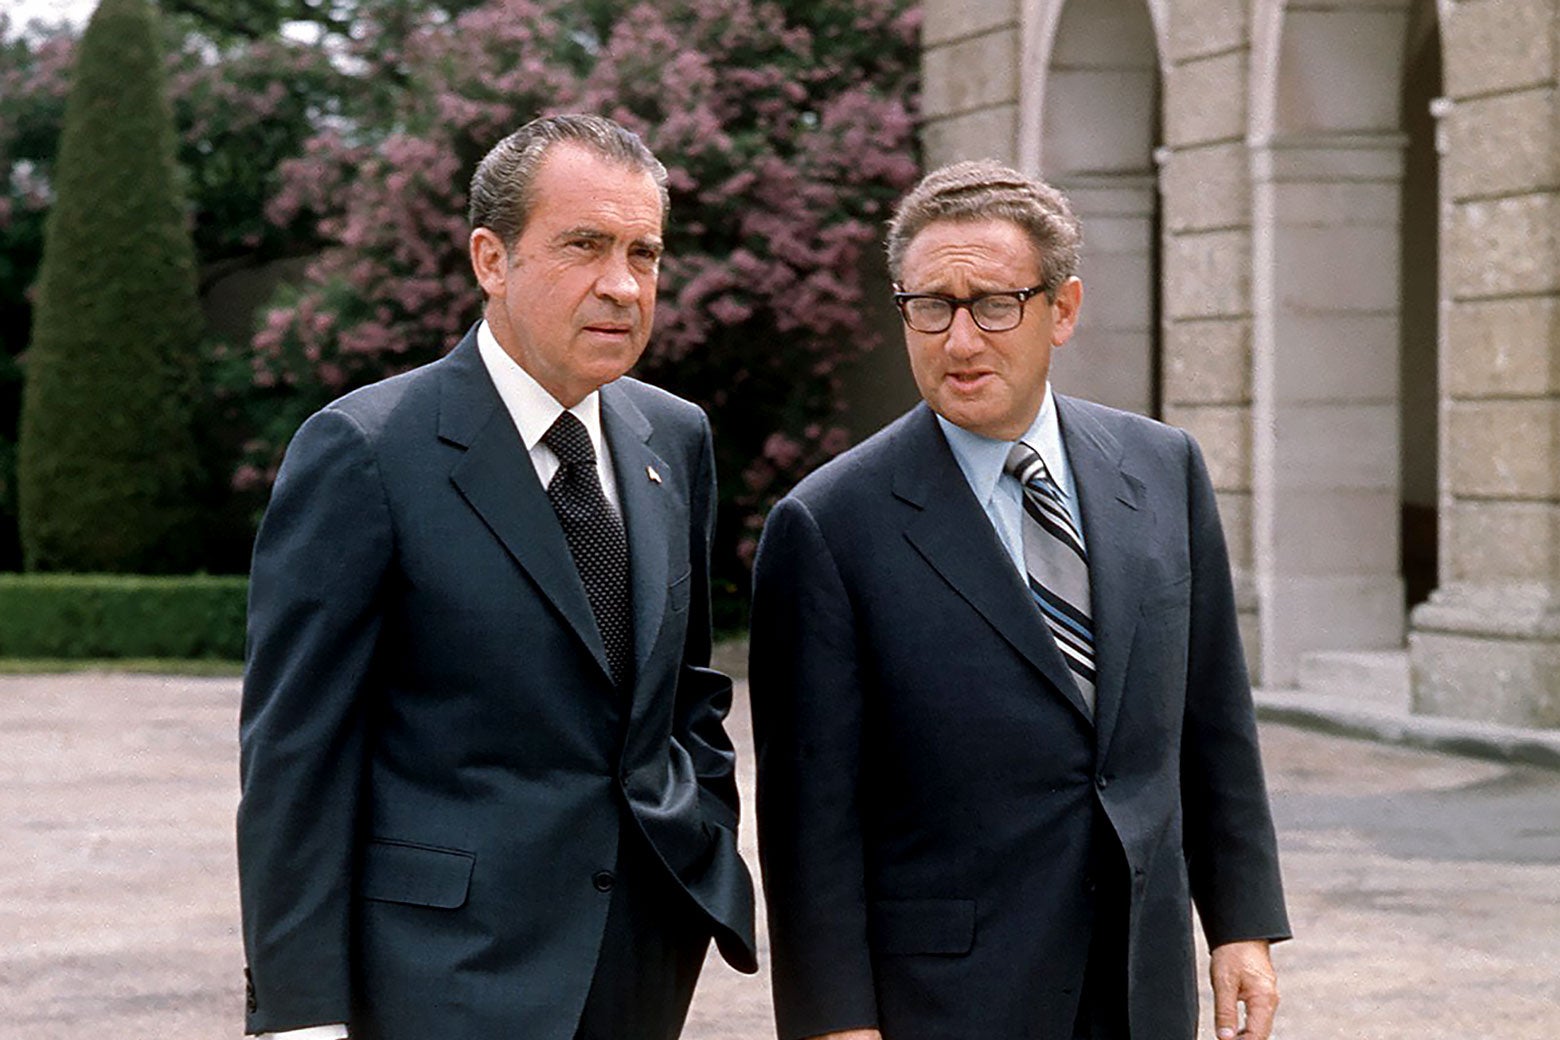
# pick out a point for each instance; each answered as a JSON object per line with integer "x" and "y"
{"x": 978, "y": 417}
{"x": 616, "y": 366}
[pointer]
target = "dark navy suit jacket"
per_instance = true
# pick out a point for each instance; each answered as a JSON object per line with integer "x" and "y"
{"x": 930, "y": 777}
{"x": 435, "y": 763}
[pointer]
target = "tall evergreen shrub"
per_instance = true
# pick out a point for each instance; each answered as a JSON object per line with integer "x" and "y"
{"x": 107, "y": 455}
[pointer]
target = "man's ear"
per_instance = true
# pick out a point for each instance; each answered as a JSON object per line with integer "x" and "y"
{"x": 489, "y": 260}
{"x": 1069, "y": 297}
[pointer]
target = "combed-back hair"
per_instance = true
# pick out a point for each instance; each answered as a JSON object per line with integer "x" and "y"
{"x": 983, "y": 189}
{"x": 502, "y": 190}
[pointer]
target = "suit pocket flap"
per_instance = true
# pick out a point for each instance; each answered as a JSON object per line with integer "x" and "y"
{"x": 677, "y": 592}
{"x": 945, "y": 926}
{"x": 398, "y": 872}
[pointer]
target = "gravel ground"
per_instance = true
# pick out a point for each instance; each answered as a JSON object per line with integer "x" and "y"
{"x": 1425, "y": 888}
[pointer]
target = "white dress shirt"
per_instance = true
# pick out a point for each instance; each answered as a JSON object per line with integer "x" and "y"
{"x": 534, "y": 411}
{"x": 999, "y": 493}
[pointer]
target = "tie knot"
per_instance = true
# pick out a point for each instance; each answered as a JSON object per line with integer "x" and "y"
{"x": 570, "y": 441}
{"x": 1026, "y": 464}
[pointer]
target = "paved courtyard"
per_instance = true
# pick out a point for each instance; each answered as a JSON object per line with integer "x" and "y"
{"x": 1425, "y": 888}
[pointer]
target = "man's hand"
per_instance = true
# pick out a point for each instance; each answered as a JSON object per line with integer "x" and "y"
{"x": 1242, "y": 973}
{"x": 851, "y": 1034}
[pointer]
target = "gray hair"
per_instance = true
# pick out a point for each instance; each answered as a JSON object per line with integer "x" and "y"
{"x": 502, "y": 190}
{"x": 986, "y": 190}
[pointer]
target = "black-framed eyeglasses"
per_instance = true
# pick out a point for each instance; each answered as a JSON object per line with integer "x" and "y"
{"x": 993, "y": 311}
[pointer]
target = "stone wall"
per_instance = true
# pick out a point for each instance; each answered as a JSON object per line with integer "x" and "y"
{"x": 1487, "y": 645}
{"x": 1251, "y": 150}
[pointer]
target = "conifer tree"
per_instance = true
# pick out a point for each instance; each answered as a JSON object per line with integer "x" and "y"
{"x": 107, "y": 455}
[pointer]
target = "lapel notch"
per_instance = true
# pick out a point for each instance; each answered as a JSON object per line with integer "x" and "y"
{"x": 953, "y": 534}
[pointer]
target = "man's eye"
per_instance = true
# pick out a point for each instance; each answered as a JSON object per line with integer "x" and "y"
{"x": 997, "y": 305}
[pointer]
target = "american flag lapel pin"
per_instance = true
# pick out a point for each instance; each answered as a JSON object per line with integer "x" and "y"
{"x": 655, "y": 478}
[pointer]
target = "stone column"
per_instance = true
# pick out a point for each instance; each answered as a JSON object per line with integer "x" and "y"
{"x": 1206, "y": 281}
{"x": 1487, "y": 644}
{"x": 1111, "y": 358}
{"x": 1326, "y": 374}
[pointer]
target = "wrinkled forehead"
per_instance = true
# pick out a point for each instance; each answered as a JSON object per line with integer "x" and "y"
{"x": 978, "y": 251}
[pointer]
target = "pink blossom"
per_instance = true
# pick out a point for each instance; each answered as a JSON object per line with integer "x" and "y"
{"x": 783, "y": 150}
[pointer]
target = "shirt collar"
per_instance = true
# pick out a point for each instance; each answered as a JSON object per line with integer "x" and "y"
{"x": 982, "y": 458}
{"x": 529, "y": 404}
{"x": 1045, "y": 437}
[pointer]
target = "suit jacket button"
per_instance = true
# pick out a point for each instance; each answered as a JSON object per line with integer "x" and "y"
{"x": 603, "y": 880}
{"x": 1102, "y": 781}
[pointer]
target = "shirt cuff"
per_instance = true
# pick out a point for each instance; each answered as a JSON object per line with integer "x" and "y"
{"x": 330, "y": 1032}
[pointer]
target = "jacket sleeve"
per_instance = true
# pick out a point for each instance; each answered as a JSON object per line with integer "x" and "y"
{"x": 807, "y": 724}
{"x": 704, "y": 694}
{"x": 703, "y": 703}
{"x": 1231, "y": 851}
{"x": 320, "y": 561}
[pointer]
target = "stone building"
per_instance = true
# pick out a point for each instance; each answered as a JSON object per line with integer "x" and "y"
{"x": 1324, "y": 236}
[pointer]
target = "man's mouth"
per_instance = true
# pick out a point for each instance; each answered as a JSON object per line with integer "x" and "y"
{"x": 969, "y": 380}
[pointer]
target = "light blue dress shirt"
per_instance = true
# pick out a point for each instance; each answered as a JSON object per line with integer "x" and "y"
{"x": 998, "y": 493}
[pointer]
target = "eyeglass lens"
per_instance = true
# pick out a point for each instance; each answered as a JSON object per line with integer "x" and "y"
{"x": 996, "y": 313}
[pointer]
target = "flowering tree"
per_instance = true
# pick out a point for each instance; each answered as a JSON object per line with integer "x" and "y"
{"x": 787, "y": 130}
{"x": 786, "y": 126}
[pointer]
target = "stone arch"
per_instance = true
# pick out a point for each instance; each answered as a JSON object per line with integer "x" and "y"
{"x": 1340, "y": 425}
{"x": 1089, "y": 123}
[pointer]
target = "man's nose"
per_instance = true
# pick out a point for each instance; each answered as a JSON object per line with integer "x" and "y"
{"x": 617, "y": 283}
{"x": 964, "y": 336}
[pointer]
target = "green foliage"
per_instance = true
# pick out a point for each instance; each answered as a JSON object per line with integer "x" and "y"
{"x": 89, "y": 616}
{"x": 241, "y": 111}
{"x": 107, "y": 457}
{"x": 787, "y": 125}
{"x": 32, "y": 107}
{"x": 203, "y": 667}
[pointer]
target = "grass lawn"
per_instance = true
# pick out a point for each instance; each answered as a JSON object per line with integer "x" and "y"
{"x": 730, "y": 656}
{"x": 147, "y": 665}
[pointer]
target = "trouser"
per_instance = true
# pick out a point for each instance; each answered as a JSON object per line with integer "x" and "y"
{"x": 651, "y": 951}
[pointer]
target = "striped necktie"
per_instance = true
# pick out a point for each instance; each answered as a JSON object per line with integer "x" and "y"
{"x": 1057, "y": 565}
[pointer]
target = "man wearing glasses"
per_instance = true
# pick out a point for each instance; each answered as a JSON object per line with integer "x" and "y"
{"x": 1004, "y": 727}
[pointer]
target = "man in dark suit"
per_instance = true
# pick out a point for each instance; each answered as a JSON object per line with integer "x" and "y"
{"x": 1004, "y": 728}
{"x": 487, "y": 791}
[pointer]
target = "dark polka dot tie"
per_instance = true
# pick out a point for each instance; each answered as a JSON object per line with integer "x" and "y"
{"x": 595, "y": 536}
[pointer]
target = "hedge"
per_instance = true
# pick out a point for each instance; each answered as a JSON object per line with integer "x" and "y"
{"x": 75, "y": 616}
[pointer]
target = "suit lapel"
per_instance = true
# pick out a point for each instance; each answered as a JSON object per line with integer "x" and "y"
{"x": 952, "y": 532}
{"x": 1115, "y": 529}
{"x": 497, "y": 479}
{"x": 648, "y": 505}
